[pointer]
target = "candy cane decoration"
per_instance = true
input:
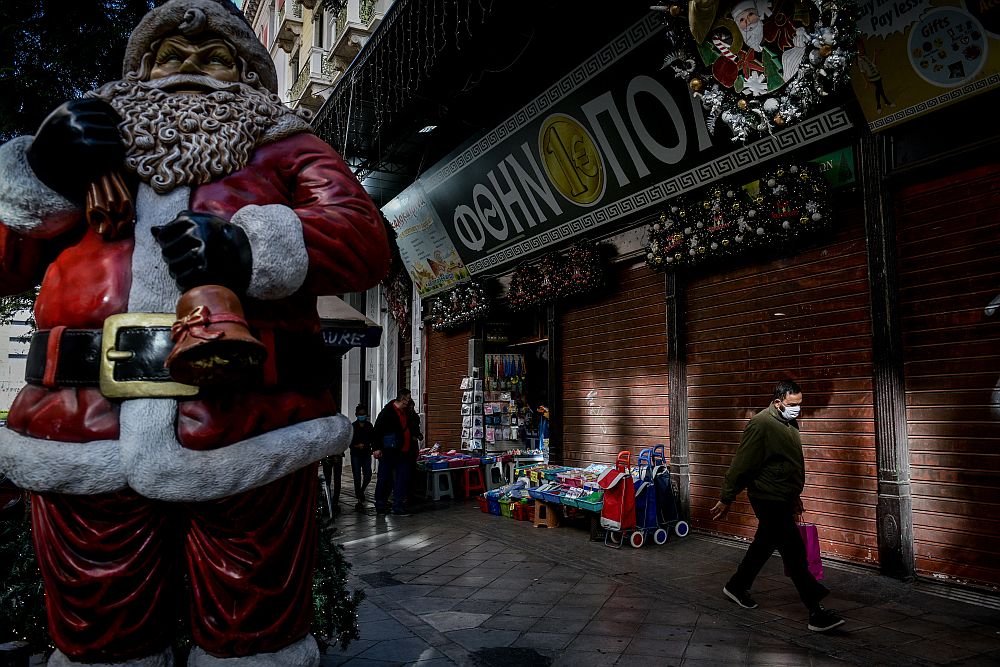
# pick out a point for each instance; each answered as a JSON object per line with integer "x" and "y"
{"x": 724, "y": 49}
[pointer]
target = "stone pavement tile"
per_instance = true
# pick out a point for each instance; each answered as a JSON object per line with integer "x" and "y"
{"x": 656, "y": 648}
{"x": 876, "y": 636}
{"x": 368, "y": 612}
{"x": 452, "y": 591}
{"x": 335, "y": 656}
{"x": 518, "y": 623}
{"x": 720, "y": 653}
{"x": 903, "y": 608}
{"x": 607, "y": 613}
{"x": 583, "y": 600}
{"x": 672, "y": 614}
{"x": 664, "y": 632}
{"x": 591, "y": 586}
{"x": 626, "y": 602}
{"x": 518, "y": 608}
{"x": 407, "y": 591}
{"x": 433, "y": 579}
{"x": 572, "y": 612}
{"x": 983, "y": 640}
{"x": 544, "y": 641}
{"x": 401, "y": 650}
{"x": 988, "y": 660}
{"x": 717, "y": 661}
{"x": 585, "y": 659}
{"x": 478, "y": 638}
{"x": 560, "y": 625}
{"x": 474, "y": 579}
{"x": 720, "y": 636}
{"x": 768, "y": 652}
{"x": 950, "y": 621}
{"x": 794, "y": 611}
{"x": 585, "y": 642}
{"x": 921, "y": 627}
{"x": 613, "y": 628}
{"x": 363, "y": 662}
{"x": 542, "y": 596}
{"x": 446, "y": 621}
{"x": 481, "y": 606}
{"x": 873, "y": 616}
{"x": 494, "y": 594}
{"x": 427, "y": 604}
{"x": 450, "y": 571}
{"x": 935, "y": 650}
{"x": 435, "y": 662}
{"x": 383, "y": 630}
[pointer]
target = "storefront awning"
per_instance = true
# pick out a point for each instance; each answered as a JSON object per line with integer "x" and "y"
{"x": 344, "y": 327}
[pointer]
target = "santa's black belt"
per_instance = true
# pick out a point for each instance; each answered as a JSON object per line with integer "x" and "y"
{"x": 129, "y": 363}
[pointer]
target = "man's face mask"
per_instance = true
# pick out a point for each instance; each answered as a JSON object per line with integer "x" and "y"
{"x": 789, "y": 412}
{"x": 362, "y": 418}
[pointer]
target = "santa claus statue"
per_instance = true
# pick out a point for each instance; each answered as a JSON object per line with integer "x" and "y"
{"x": 139, "y": 481}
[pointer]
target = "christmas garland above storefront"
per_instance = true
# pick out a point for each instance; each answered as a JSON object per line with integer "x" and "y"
{"x": 760, "y": 65}
{"x": 459, "y": 306}
{"x": 790, "y": 207}
{"x": 558, "y": 275}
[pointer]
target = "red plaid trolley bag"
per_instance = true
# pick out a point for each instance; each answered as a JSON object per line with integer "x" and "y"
{"x": 618, "y": 513}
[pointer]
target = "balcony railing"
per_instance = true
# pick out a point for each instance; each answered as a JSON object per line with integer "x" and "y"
{"x": 299, "y": 87}
{"x": 367, "y": 10}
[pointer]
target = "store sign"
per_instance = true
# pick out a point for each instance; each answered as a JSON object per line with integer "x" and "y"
{"x": 427, "y": 253}
{"x": 611, "y": 140}
{"x": 918, "y": 55}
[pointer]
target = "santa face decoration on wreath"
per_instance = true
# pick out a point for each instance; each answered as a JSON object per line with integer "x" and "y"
{"x": 754, "y": 48}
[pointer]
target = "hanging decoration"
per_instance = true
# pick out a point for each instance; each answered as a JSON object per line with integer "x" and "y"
{"x": 557, "y": 275}
{"x": 459, "y": 306}
{"x": 398, "y": 290}
{"x": 791, "y": 205}
{"x": 760, "y": 65}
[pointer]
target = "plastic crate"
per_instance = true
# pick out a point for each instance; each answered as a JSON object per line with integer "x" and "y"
{"x": 439, "y": 465}
{"x": 506, "y": 507}
{"x": 592, "y": 503}
{"x": 494, "y": 506}
{"x": 536, "y": 494}
{"x": 524, "y": 512}
{"x": 484, "y": 504}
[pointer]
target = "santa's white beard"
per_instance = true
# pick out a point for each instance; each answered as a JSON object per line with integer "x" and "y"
{"x": 753, "y": 36}
{"x": 174, "y": 139}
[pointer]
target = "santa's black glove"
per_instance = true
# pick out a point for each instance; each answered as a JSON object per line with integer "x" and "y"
{"x": 75, "y": 145}
{"x": 203, "y": 249}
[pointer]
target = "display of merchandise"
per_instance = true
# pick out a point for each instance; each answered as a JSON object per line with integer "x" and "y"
{"x": 473, "y": 431}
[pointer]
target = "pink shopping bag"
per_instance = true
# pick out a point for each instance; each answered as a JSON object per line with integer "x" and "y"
{"x": 810, "y": 538}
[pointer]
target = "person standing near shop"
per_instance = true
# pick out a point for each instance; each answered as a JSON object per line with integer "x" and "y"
{"x": 333, "y": 470}
{"x": 393, "y": 443}
{"x": 769, "y": 464}
{"x": 361, "y": 453}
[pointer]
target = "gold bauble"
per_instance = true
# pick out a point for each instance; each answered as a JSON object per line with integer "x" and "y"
{"x": 675, "y": 10}
{"x": 804, "y": 219}
{"x": 779, "y": 120}
{"x": 736, "y": 206}
{"x": 742, "y": 104}
{"x": 663, "y": 217}
{"x": 825, "y": 50}
{"x": 725, "y": 242}
{"x": 696, "y": 84}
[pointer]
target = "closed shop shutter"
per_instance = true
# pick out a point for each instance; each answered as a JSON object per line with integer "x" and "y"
{"x": 805, "y": 318}
{"x": 614, "y": 370}
{"x": 949, "y": 264}
{"x": 447, "y": 363}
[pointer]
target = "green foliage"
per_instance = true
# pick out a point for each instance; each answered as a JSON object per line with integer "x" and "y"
{"x": 56, "y": 50}
{"x": 335, "y": 612}
{"x": 10, "y": 305}
{"x": 22, "y": 603}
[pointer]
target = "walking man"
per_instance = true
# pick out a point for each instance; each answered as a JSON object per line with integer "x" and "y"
{"x": 361, "y": 453}
{"x": 393, "y": 442}
{"x": 769, "y": 464}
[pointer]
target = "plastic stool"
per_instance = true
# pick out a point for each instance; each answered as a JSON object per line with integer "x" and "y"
{"x": 546, "y": 515}
{"x": 494, "y": 476}
{"x": 439, "y": 484}
{"x": 472, "y": 482}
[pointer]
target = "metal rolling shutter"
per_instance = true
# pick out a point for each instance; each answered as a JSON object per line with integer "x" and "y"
{"x": 949, "y": 264}
{"x": 447, "y": 364}
{"x": 614, "y": 370}
{"x": 806, "y": 318}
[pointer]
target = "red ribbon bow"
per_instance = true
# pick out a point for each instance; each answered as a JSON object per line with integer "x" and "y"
{"x": 746, "y": 61}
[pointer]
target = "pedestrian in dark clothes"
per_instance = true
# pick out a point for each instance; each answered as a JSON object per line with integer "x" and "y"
{"x": 361, "y": 454}
{"x": 769, "y": 464}
{"x": 394, "y": 442}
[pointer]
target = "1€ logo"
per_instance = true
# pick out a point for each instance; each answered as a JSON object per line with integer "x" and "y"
{"x": 571, "y": 160}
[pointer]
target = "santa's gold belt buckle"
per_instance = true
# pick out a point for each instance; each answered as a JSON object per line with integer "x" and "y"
{"x": 110, "y": 357}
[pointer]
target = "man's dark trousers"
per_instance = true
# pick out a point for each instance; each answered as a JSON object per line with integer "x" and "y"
{"x": 393, "y": 475}
{"x": 776, "y": 529}
{"x": 361, "y": 468}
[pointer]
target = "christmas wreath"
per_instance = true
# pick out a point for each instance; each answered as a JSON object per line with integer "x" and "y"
{"x": 556, "y": 276}
{"x": 760, "y": 65}
{"x": 790, "y": 204}
{"x": 459, "y": 306}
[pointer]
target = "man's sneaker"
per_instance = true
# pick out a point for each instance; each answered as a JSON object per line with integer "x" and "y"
{"x": 742, "y": 598}
{"x": 823, "y": 620}
{"x": 400, "y": 513}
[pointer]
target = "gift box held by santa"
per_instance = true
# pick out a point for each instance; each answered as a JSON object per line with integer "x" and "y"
{"x": 180, "y": 209}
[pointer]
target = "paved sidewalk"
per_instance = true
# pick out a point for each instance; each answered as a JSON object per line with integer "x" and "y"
{"x": 453, "y": 586}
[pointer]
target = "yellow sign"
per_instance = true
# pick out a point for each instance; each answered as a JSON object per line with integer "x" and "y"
{"x": 571, "y": 159}
{"x": 917, "y": 55}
